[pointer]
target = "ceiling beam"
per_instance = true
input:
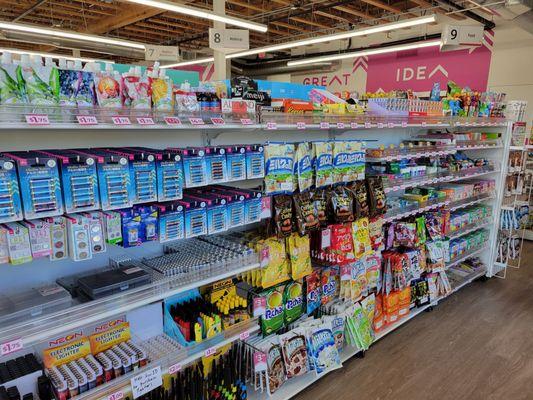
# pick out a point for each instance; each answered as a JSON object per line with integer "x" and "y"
{"x": 333, "y": 17}
{"x": 130, "y": 15}
{"x": 309, "y": 22}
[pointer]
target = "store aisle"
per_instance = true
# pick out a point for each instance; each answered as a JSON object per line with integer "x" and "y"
{"x": 477, "y": 344}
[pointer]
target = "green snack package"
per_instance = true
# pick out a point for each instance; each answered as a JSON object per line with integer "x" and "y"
{"x": 304, "y": 167}
{"x": 293, "y": 300}
{"x": 323, "y": 155}
{"x": 421, "y": 229}
{"x": 363, "y": 329}
{"x": 279, "y": 168}
{"x": 273, "y": 319}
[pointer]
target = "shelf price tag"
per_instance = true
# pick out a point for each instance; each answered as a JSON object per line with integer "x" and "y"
{"x": 260, "y": 361}
{"x": 87, "y": 120}
{"x": 196, "y": 121}
{"x": 116, "y": 396}
{"x": 390, "y": 125}
{"x": 404, "y": 124}
{"x": 146, "y": 381}
{"x": 368, "y": 125}
{"x": 11, "y": 346}
{"x": 210, "y": 351}
{"x": 326, "y": 238}
{"x": 300, "y": 125}
{"x": 272, "y": 125}
{"x": 37, "y": 119}
{"x": 266, "y": 207}
{"x": 244, "y": 335}
{"x": 340, "y": 125}
{"x": 354, "y": 125}
{"x": 424, "y": 123}
{"x": 174, "y": 368}
{"x": 380, "y": 125}
{"x": 172, "y": 121}
{"x": 145, "y": 121}
{"x": 259, "y": 306}
{"x": 118, "y": 120}
{"x": 324, "y": 125}
{"x": 218, "y": 121}
{"x": 246, "y": 121}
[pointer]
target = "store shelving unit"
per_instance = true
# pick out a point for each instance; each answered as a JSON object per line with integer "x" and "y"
{"x": 65, "y": 130}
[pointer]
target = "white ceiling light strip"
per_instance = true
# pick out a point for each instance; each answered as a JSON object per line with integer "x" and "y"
{"x": 71, "y": 35}
{"x": 196, "y": 12}
{"x": 383, "y": 50}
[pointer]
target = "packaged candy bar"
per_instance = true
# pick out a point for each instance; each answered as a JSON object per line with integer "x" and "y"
{"x": 341, "y": 204}
{"x": 306, "y": 217}
{"x": 376, "y": 194}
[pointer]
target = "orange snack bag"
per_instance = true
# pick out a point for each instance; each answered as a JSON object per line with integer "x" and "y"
{"x": 404, "y": 301}
{"x": 391, "y": 305}
{"x": 379, "y": 318}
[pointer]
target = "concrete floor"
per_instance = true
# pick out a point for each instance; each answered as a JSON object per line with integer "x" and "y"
{"x": 477, "y": 344}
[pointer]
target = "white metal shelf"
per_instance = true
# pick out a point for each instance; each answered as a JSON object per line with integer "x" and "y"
{"x": 469, "y": 229}
{"x": 465, "y": 256}
{"x": 34, "y": 330}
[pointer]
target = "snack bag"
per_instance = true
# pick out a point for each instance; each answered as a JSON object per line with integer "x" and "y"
{"x": 323, "y": 159}
{"x": 341, "y": 248}
{"x": 359, "y": 282}
{"x": 337, "y": 327}
{"x": 300, "y": 256}
{"x": 320, "y": 202}
{"x": 279, "y": 161}
{"x": 435, "y": 256}
{"x": 273, "y": 319}
{"x": 361, "y": 238}
{"x": 304, "y": 167}
{"x": 283, "y": 215}
{"x": 294, "y": 350}
{"x": 323, "y": 351}
{"x": 341, "y": 204}
{"x": 275, "y": 366}
{"x": 405, "y": 234}
{"x": 376, "y": 194}
{"x": 329, "y": 285}
{"x": 375, "y": 229}
{"x": 341, "y": 162}
{"x": 434, "y": 225}
{"x": 306, "y": 217}
{"x": 361, "y": 326}
{"x": 273, "y": 261}
{"x": 373, "y": 272}
{"x": 312, "y": 291}
{"x": 404, "y": 301}
{"x": 378, "y": 322}
{"x": 391, "y": 306}
{"x": 421, "y": 229}
{"x": 293, "y": 300}
{"x": 360, "y": 195}
{"x": 369, "y": 306}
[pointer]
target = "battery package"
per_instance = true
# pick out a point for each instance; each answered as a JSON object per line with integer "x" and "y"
{"x": 78, "y": 236}
{"x": 171, "y": 222}
{"x": 39, "y": 182}
{"x": 39, "y": 232}
{"x": 234, "y": 207}
{"x": 236, "y": 163}
{"x": 217, "y": 218}
{"x": 58, "y": 238}
{"x": 114, "y": 179}
{"x": 78, "y": 179}
{"x": 105, "y": 283}
{"x": 18, "y": 243}
{"x": 149, "y": 227}
{"x": 195, "y": 215}
{"x": 96, "y": 231}
{"x": 215, "y": 158}
{"x": 194, "y": 167}
{"x": 10, "y": 204}
{"x": 255, "y": 161}
{"x": 170, "y": 181}
{"x": 113, "y": 227}
{"x": 131, "y": 227}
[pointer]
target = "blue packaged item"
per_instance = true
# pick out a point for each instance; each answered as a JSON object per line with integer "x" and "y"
{"x": 79, "y": 180}
{"x": 236, "y": 163}
{"x": 142, "y": 173}
{"x": 252, "y": 202}
{"x": 114, "y": 179}
{"x": 10, "y": 204}
{"x": 255, "y": 161}
{"x": 235, "y": 204}
{"x": 40, "y": 185}
{"x": 171, "y": 222}
{"x": 195, "y": 217}
{"x": 194, "y": 167}
{"x": 217, "y": 215}
{"x": 217, "y": 171}
{"x": 131, "y": 227}
{"x": 149, "y": 225}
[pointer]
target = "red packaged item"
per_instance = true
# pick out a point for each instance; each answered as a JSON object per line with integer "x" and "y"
{"x": 341, "y": 244}
{"x": 375, "y": 229}
{"x": 405, "y": 234}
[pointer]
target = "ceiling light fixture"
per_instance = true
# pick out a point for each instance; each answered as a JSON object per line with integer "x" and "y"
{"x": 70, "y": 35}
{"x": 338, "y": 36}
{"x": 196, "y": 12}
{"x": 371, "y": 52}
{"x": 51, "y": 55}
{"x": 191, "y": 62}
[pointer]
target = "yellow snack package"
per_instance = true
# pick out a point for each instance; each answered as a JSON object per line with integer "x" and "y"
{"x": 300, "y": 255}
{"x": 273, "y": 261}
{"x": 361, "y": 238}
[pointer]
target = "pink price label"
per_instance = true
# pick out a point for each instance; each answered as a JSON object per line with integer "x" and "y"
{"x": 272, "y": 125}
{"x": 116, "y": 396}
{"x": 404, "y": 124}
{"x": 354, "y": 125}
{"x": 301, "y": 125}
{"x": 390, "y": 125}
{"x": 11, "y": 347}
{"x": 210, "y": 351}
{"x": 380, "y": 125}
{"x": 368, "y": 125}
{"x": 174, "y": 368}
{"x": 324, "y": 125}
{"x": 259, "y": 306}
{"x": 340, "y": 125}
{"x": 244, "y": 335}
{"x": 118, "y": 120}
{"x": 326, "y": 238}
{"x": 424, "y": 123}
{"x": 87, "y": 120}
{"x": 218, "y": 121}
{"x": 246, "y": 121}
{"x": 196, "y": 121}
{"x": 145, "y": 121}
{"x": 172, "y": 121}
{"x": 37, "y": 119}
{"x": 260, "y": 361}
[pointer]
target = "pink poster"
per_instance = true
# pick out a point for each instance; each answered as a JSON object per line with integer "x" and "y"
{"x": 419, "y": 69}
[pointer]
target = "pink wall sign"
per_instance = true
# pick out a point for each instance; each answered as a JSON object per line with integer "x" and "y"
{"x": 419, "y": 69}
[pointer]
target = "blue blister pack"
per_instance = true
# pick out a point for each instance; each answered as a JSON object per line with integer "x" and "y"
{"x": 149, "y": 231}
{"x": 236, "y": 163}
{"x": 39, "y": 183}
{"x": 217, "y": 215}
{"x": 10, "y": 204}
{"x": 215, "y": 159}
{"x": 255, "y": 161}
{"x": 235, "y": 204}
{"x": 170, "y": 180}
{"x": 194, "y": 167}
{"x": 171, "y": 222}
{"x": 79, "y": 180}
{"x": 195, "y": 214}
{"x": 131, "y": 227}
{"x": 114, "y": 179}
